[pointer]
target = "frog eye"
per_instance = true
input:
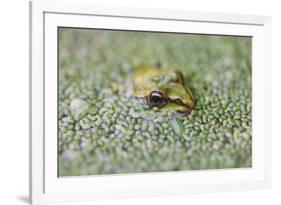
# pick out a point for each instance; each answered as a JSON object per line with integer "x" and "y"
{"x": 156, "y": 98}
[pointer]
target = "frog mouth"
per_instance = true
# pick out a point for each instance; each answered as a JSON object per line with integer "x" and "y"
{"x": 182, "y": 113}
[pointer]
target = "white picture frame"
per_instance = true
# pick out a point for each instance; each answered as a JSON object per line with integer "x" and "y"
{"x": 46, "y": 187}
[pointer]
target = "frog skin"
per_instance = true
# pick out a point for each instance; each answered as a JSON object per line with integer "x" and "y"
{"x": 164, "y": 89}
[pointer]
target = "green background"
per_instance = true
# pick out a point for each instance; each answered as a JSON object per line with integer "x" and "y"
{"x": 114, "y": 133}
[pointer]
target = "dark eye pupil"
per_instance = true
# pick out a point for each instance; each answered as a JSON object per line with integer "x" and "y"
{"x": 156, "y": 98}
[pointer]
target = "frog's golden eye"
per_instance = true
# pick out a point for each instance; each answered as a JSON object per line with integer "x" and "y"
{"x": 156, "y": 98}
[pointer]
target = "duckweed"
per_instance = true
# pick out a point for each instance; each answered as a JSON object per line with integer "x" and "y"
{"x": 103, "y": 130}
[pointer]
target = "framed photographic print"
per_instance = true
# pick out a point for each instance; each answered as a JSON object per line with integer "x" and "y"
{"x": 129, "y": 102}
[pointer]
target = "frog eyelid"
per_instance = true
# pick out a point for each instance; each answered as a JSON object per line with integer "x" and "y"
{"x": 156, "y": 92}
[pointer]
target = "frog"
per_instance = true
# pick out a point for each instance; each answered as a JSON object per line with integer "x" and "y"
{"x": 163, "y": 89}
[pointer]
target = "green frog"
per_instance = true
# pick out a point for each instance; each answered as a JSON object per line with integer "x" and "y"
{"x": 164, "y": 89}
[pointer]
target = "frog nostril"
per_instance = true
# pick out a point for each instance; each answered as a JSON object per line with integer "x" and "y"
{"x": 178, "y": 101}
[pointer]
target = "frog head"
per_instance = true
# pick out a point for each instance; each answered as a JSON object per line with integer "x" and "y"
{"x": 164, "y": 89}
